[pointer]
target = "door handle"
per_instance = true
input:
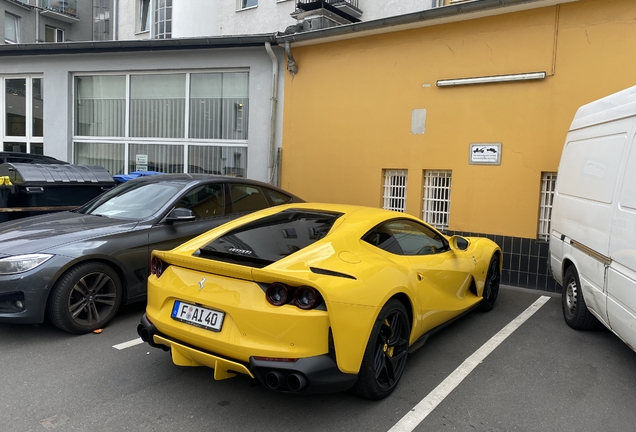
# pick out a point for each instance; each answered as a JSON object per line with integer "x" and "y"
{"x": 420, "y": 277}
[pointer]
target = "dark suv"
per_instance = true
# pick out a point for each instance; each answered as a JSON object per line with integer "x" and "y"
{"x": 16, "y": 157}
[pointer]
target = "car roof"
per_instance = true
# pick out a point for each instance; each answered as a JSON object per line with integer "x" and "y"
{"x": 185, "y": 178}
{"x": 32, "y": 156}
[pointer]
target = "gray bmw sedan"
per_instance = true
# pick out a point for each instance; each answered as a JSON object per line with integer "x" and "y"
{"x": 77, "y": 267}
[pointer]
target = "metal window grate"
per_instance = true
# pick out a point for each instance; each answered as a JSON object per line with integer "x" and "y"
{"x": 437, "y": 191}
{"x": 395, "y": 190}
{"x": 548, "y": 180}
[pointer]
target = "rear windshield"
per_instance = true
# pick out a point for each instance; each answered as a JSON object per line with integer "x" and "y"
{"x": 267, "y": 240}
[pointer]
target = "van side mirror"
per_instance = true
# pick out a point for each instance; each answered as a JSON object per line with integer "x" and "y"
{"x": 458, "y": 242}
{"x": 180, "y": 215}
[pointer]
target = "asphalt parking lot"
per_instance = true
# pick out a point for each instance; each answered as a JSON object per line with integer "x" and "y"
{"x": 486, "y": 372}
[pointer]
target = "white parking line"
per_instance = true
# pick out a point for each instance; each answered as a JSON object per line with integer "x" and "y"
{"x": 414, "y": 417}
{"x": 128, "y": 344}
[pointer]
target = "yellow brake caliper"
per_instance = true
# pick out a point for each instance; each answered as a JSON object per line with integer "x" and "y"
{"x": 388, "y": 350}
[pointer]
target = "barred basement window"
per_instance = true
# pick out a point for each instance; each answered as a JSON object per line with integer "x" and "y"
{"x": 437, "y": 191}
{"x": 395, "y": 190}
{"x": 548, "y": 180}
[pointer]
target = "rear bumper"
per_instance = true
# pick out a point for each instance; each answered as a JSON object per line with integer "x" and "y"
{"x": 310, "y": 375}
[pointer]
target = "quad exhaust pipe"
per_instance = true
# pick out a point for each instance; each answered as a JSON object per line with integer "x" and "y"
{"x": 146, "y": 330}
{"x": 277, "y": 381}
{"x": 296, "y": 382}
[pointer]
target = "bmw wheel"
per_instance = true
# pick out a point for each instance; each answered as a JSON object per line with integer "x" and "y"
{"x": 575, "y": 310}
{"x": 385, "y": 356}
{"x": 491, "y": 284}
{"x": 85, "y": 298}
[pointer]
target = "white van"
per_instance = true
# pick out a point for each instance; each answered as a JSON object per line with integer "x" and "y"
{"x": 593, "y": 239}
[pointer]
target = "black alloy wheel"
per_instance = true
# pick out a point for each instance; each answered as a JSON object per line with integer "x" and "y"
{"x": 85, "y": 298}
{"x": 491, "y": 284}
{"x": 385, "y": 356}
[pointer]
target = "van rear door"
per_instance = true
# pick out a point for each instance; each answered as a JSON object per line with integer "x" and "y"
{"x": 621, "y": 276}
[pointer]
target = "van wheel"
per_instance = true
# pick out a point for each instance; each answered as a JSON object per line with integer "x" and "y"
{"x": 575, "y": 310}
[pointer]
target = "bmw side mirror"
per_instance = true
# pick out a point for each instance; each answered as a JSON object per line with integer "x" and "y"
{"x": 180, "y": 215}
{"x": 458, "y": 243}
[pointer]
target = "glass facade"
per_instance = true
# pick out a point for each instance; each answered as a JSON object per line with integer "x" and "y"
{"x": 173, "y": 122}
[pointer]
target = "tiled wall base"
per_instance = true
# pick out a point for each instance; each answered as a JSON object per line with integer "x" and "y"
{"x": 525, "y": 261}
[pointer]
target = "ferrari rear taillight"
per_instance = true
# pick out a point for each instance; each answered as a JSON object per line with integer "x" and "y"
{"x": 304, "y": 297}
{"x": 157, "y": 266}
{"x": 277, "y": 294}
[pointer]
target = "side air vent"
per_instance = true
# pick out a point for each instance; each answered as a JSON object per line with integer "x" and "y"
{"x": 330, "y": 273}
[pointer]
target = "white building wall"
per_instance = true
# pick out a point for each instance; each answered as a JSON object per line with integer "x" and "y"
{"x": 58, "y": 71}
{"x": 127, "y": 20}
{"x": 194, "y": 18}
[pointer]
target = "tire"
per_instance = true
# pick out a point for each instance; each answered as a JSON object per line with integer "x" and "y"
{"x": 575, "y": 310}
{"x": 85, "y": 298}
{"x": 385, "y": 356}
{"x": 491, "y": 285}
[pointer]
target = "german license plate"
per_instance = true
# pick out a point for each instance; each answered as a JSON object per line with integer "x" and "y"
{"x": 197, "y": 316}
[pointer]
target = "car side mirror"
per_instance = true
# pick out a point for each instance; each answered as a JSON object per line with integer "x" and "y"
{"x": 458, "y": 242}
{"x": 180, "y": 215}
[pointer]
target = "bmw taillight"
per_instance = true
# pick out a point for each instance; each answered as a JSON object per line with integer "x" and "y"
{"x": 157, "y": 266}
{"x": 304, "y": 297}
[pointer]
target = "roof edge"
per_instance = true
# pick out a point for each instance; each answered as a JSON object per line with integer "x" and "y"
{"x": 429, "y": 17}
{"x": 208, "y": 42}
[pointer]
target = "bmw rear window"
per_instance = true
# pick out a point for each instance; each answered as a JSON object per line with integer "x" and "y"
{"x": 267, "y": 240}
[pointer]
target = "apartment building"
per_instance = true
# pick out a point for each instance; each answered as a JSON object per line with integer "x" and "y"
{"x": 159, "y": 19}
{"x": 36, "y": 21}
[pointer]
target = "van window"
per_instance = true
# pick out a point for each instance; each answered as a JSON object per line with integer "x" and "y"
{"x": 589, "y": 168}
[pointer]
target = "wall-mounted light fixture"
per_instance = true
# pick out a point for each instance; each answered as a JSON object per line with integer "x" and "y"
{"x": 490, "y": 79}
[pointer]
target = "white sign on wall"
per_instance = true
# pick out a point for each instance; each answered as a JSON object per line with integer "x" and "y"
{"x": 485, "y": 154}
{"x": 141, "y": 162}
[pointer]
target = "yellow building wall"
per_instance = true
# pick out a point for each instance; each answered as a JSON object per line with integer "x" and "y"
{"x": 347, "y": 112}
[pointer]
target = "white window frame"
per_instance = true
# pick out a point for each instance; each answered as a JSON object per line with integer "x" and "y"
{"x": 548, "y": 181}
{"x": 16, "y": 20}
{"x": 241, "y": 5}
{"x": 140, "y": 11}
{"x": 29, "y": 138}
{"x": 437, "y": 198}
{"x": 127, "y": 140}
{"x": 154, "y": 24}
{"x": 58, "y": 32}
{"x": 394, "y": 196}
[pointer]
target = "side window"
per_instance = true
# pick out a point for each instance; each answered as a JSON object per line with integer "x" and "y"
{"x": 405, "y": 237}
{"x": 247, "y": 198}
{"x": 276, "y": 197}
{"x": 381, "y": 237}
{"x": 205, "y": 201}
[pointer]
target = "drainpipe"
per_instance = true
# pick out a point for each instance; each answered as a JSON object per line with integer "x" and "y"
{"x": 291, "y": 63}
{"x": 37, "y": 23}
{"x": 272, "y": 127}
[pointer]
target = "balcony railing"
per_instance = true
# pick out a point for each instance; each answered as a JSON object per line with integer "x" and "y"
{"x": 353, "y": 3}
{"x": 348, "y": 7}
{"x": 66, "y": 7}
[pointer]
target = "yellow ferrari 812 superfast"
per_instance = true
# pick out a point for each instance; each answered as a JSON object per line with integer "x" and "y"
{"x": 314, "y": 298}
